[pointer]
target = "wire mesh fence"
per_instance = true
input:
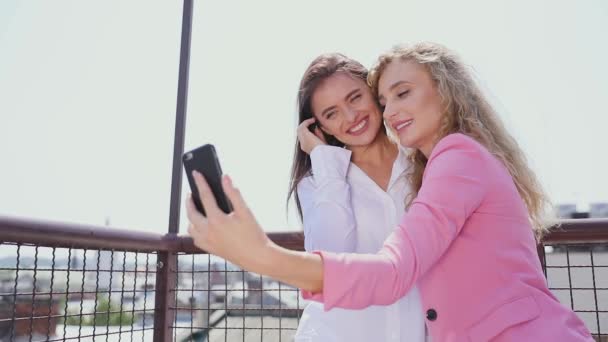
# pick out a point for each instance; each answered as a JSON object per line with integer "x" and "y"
{"x": 578, "y": 276}
{"x": 64, "y": 282}
{"x": 57, "y": 294}
{"x": 217, "y": 301}
{"x": 60, "y": 282}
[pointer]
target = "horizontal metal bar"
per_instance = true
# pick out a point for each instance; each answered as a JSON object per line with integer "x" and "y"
{"x": 238, "y": 308}
{"x": 150, "y": 271}
{"x": 573, "y": 231}
{"x": 233, "y": 328}
{"x": 209, "y": 271}
{"x": 65, "y": 235}
{"x": 79, "y": 337}
{"x": 234, "y": 290}
{"x": 80, "y": 236}
{"x": 290, "y": 240}
{"x": 68, "y": 293}
{"x": 576, "y": 266}
{"x": 579, "y": 288}
{"x": 28, "y": 318}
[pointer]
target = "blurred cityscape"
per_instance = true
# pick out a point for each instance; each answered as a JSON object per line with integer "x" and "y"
{"x": 84, "y": 293}
{"x": 582, "y": 210}
{"x": 210, "y": 293}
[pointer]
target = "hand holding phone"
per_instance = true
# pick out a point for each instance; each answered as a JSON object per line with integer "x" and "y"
{"x": 204, "y": 160}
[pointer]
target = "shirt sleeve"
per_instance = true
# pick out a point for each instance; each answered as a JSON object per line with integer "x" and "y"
{"x": 454, "y": 185}
{"x": 328, "y": 219}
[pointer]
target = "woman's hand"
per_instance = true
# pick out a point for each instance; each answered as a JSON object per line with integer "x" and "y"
{"x": 308, "y": 140}
{"x": 236, "y": 237}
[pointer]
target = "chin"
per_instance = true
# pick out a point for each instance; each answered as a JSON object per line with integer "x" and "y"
{"x": 407, "y": 142}
{"x": 362, "y": 140}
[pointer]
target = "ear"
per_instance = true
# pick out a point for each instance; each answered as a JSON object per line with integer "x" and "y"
{"x": 318, "y": 124}
{"x": 323, "y": 128}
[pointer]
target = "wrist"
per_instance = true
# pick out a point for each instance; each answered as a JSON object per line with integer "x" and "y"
{"x": 264, "y": 260}
{"x": 314, "y": 146}
{"x": 330, "y": 162}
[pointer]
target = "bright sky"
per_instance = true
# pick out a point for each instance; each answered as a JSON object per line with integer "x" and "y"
{"x": 88, "y": 91}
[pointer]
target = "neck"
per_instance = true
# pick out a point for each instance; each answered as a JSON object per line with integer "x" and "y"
{"x": 427, "y": 148}
{"x": 376, "y": 153}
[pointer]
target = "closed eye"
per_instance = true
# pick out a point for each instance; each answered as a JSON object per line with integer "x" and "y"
{"x": 403, "y": 94}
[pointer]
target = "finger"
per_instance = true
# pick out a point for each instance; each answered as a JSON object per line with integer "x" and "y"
{"x": 304, "y": 124}
{"x": 234, "y": 195}
{"x": 193, "y": 214}
{"x": 192, "y": 231}
{"x": 196, "y": 237}
{"x": 308, "y": 121}
{"x": 207, "y": 198}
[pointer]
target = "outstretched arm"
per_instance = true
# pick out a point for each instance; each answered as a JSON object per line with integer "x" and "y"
{"x": 238, "y": 238}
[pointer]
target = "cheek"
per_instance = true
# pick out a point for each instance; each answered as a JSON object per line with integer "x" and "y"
{"x": 331, "y": 127}
{"x": 375, "y": 117}
{"x": 430, "y": 105}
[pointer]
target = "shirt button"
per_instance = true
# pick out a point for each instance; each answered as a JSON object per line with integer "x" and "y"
{"x": 431, "y": 315}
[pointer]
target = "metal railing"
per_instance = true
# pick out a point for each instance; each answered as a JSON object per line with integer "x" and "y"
{"x": 64, "y": 282}
{"x": 575, "y": 259}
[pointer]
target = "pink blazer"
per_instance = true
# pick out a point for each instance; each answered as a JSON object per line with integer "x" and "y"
{"x": 467, "y": 242}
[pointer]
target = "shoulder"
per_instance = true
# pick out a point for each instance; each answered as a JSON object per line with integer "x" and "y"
{"x": 460, "y": 154}
{"x": 459, "y": 142}
{"x": 305, "y": 184}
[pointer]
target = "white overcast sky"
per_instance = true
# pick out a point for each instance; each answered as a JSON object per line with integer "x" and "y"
{"x": 88, "y": 91}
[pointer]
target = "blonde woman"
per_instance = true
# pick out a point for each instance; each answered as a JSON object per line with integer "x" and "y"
{"x": 468, "y": 237}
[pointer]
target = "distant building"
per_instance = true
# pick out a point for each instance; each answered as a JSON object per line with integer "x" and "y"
{"x": 566, "y": 210}
{"x": 576, "y": 211}
{"x": 599, "y": 210}
{"x": 106, "y": 263}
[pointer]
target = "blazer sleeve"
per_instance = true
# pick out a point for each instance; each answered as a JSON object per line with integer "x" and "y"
{"x": 453, "y": 187}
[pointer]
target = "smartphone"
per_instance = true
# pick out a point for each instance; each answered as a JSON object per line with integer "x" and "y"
{"x": 204, "y": 160}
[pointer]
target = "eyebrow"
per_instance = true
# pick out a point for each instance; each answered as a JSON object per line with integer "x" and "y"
{"x": 393, "y": 86}
{"x": 351, "y": 93}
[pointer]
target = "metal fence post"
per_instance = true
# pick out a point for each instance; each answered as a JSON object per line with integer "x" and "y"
{"x": 167, "y": 261}
{"x": 164, "y": 303}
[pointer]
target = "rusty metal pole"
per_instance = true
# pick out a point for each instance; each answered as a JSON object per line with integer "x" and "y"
{"x": 166, "y": 278}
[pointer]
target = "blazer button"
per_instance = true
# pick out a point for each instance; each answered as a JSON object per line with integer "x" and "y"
{"x": 431, "y": 315}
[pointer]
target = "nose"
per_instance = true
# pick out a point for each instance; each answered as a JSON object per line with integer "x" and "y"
{"x": 388, "y": 112}
{"x": 350, "y": 115}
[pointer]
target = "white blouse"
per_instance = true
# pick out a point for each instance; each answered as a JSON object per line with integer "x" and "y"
{"x": 346, "y": 211}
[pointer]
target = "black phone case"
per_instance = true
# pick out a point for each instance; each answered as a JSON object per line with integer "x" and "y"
{"x": 204, "y": 160}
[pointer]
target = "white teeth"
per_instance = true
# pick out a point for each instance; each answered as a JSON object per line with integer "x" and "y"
{"x": 358, "y": 127}
{"x": 407, "y": 123}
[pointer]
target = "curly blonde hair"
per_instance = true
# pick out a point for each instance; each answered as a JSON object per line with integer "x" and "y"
{"x": 467, "y": 111}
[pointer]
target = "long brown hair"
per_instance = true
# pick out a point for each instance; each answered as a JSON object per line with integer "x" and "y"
{"x": 320, "y": 69}
{"x": 467, "y": 111}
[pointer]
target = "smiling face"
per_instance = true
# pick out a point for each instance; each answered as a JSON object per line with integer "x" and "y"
{"x": 346, "y": 109}
{"x": 413, "y": 107}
